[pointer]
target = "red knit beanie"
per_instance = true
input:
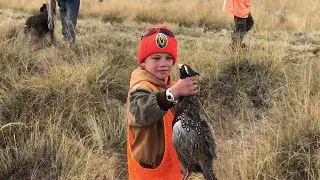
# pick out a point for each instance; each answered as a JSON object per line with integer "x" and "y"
{"x": 157, "y": 42}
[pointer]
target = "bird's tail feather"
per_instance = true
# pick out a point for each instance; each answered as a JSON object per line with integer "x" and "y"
{"x": 207, "y": 170}
{"x": 209, "y": 175}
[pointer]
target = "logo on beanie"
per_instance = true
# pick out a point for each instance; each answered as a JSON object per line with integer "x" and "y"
{"x": 161, "y": 40}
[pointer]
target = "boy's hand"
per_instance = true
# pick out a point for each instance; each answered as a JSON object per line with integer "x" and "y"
{"x": 185, "y": 87}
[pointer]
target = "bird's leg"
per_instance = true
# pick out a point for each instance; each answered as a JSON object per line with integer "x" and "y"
{"x": 185, "y": 173}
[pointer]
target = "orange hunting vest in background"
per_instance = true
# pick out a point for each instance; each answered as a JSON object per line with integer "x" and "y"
{"x": 169, "y": 168}
{"x": 239, "y": 8}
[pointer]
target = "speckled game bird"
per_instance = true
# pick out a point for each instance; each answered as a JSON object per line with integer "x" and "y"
{"x": 192, "y": 137}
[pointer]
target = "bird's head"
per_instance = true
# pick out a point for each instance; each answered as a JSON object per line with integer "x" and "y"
{"x": 186, "y": 71}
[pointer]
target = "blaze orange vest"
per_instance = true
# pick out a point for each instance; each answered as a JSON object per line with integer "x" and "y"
{"x": 169, "y": 168}
{"x": 239, "y": 8}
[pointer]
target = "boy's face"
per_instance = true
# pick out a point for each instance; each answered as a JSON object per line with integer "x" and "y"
{"x": 158, "y": 64}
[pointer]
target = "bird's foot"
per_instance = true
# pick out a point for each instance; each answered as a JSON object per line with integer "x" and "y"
{"x": 186, "y": 175}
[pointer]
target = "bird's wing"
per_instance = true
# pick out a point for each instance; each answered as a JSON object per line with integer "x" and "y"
{"x": 185, "y": 144}
{"x": 179, "y": 142}
{"x": 210, "y": 143}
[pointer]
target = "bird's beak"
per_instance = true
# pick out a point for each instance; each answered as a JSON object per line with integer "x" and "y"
{"x": 180, "y": 65}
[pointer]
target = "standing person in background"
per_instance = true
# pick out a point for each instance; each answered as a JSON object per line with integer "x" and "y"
{"x": 69, "y": 10}
{"x": 242, "y": 18}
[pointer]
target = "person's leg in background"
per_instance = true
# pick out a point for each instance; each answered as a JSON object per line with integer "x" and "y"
{"x": 69, "y": 10}
{"x": 239, "y": 31}
{"x": 249, "y": 22}
{"x": 72, "y": 17}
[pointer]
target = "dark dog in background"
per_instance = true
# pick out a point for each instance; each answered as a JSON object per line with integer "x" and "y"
{"x": 37, "y": 26}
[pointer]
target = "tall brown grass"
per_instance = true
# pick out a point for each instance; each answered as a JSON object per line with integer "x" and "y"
{"x": 281, "y": 15}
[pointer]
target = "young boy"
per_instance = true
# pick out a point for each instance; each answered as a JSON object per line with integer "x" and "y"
{"x": 242, "y": 18}
{"x": 151, "y": 100}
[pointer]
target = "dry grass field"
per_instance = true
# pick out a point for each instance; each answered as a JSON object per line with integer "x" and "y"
{"x": 62, "y": 107}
